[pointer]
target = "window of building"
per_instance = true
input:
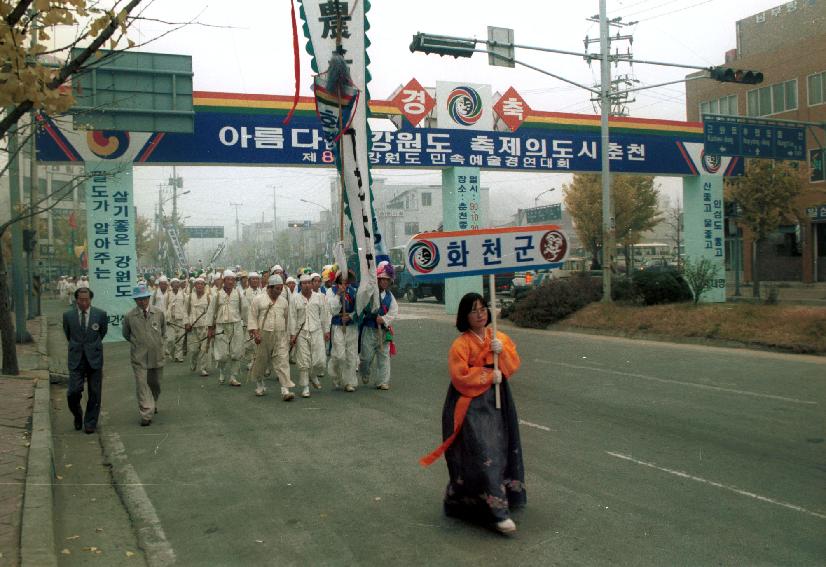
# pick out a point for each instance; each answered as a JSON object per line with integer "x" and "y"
{"x": 411, "y": 228}
{"x": 773, "y": 99}
{"x": 427, "y": 199}
{"x": 724, "y": 105}
{"x": 817, "y": 84}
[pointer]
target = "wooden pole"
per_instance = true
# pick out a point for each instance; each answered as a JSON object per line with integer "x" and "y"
{"x": 492, "y": 307}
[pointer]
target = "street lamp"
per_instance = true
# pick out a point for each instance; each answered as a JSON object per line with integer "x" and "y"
{"x": 536, "y": 199}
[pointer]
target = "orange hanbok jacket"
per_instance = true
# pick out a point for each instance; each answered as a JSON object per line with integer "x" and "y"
{"x": 470, "y": 362}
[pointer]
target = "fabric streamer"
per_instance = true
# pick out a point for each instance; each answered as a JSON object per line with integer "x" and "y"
{"x": 296, "y": 64}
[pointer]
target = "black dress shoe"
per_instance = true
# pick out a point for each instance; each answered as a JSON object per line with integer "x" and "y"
{"x": 146, "y": 422}
{"x": 78, "y": 421}
{"x": 88, "y": 429}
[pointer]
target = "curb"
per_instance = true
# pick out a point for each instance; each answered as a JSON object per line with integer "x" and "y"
{"x": 145, "y": 522}
{"x": 37, "y": 544}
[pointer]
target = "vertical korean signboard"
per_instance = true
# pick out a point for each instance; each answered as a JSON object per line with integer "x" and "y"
{"x": 704, "y": 222}
{"x": 111, "y": 240}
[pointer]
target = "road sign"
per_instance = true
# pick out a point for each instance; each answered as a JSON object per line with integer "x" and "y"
{"x": 753, "y": 137}
{"x": 543, "y": 214}
{"x": 204, "y": 231}
{"x": 436, "y": 255}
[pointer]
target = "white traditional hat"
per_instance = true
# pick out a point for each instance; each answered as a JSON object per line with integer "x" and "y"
{"x": 254, "y": 275}
{"x": 163, "y": 279}
{"x": 275, "y": 280}
{"x": 277, "y": 268}
{"x": 229, "y": 274}
{"x": 305, "y": 278}
{"x": 174, "y": 280}
{"x": 291, "y": 279}
{"x": 315, "y": 275}
{"x": 200, "y": 279}
{"x": 83, "y": 285}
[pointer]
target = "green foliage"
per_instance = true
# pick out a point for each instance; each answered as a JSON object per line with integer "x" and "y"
{"x": 623, "y": 289}
{"x": 766, "y": 194}
{"x": 661, "y": 286}
{"x": 554, "y": 301}
{"x": 700, "y": 275}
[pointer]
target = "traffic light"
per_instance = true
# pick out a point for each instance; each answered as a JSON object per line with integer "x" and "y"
{"x": 29, "y": 239}
{"x": 741, "y": 76}
{"x": 443, "y": 45}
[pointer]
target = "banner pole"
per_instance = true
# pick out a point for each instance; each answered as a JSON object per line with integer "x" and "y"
{"x": 492, "y": 307}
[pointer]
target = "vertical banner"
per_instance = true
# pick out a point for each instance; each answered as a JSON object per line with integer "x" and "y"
{"x": 703, "y": 228}
{"x": 337, "y": 28}
{"x": 111, "y": 237}
{"x": 461, "y": 210}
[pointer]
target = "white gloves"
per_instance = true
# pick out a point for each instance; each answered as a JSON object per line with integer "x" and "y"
{"x": 497, "y": 376}
{"x": 496, "y": 346}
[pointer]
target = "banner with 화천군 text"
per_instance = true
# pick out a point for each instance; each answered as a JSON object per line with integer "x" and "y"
{"x": 436, "y": 255}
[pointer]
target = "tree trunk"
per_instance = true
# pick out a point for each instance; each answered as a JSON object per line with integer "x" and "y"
{"x": 628, "y": 266}
{"x": 595, "y": 265}
{"x": 7, "y": 337}
{"x": 755, "y": 273}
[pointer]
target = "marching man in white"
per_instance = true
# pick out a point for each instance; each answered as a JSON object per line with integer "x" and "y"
{"x": 252, "y": 290}
{"x": 267, "y": 326}
{"x": 160, "y": 295}
{"x": 197, "y": 325}
{"x": 309, "y": 324}
{"x": 226, "y": 315}
{"x": 344, "y": 355}
{"x": 175, "y": 321}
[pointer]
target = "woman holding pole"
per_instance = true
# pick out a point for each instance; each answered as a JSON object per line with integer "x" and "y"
{"x": 481, "y": 447}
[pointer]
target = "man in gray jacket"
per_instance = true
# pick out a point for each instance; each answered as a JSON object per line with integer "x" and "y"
{"x": 144, "y": 327}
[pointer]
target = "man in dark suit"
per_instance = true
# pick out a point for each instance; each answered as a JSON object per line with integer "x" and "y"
{"x": 84, "y": 327}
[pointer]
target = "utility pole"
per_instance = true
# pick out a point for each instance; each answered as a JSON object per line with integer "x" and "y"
{"x": 274, "y": 228}
{"x": 608, "y": 90}
{"x": 237, "y": 223}
{"x": 18, "y": 282}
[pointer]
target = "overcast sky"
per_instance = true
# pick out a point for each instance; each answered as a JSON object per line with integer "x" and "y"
{"x": 251, "y": 52}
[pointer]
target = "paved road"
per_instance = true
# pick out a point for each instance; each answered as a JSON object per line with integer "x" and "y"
{"x": 637, "y": 453}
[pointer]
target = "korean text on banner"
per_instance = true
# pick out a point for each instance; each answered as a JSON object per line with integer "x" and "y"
{"x": 111, "y": 236}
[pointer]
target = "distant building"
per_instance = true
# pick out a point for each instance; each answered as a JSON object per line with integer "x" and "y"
{"x": 787, "y": 44}
{"x": 405, "y": 210}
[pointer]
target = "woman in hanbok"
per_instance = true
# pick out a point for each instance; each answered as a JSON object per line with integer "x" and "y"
{"x": 481, "y": 447}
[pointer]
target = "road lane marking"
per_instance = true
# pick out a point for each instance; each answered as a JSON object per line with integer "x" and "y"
{"x": 536, "y": 425}
{"x": 734, "y": 489}
{"x": 681, "y": 383}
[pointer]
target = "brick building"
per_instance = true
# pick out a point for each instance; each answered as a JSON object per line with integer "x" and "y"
{"x": 787, "y": 44}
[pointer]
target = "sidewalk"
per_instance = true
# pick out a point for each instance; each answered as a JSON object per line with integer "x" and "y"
{"x": 17, "y": 401}
{"x": 787, "y": 292}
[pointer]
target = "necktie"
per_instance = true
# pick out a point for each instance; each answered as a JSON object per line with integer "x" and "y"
{"x": 83, "y": 321}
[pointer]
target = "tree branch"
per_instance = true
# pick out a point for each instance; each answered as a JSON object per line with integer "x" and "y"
{"x": 14, "y": 17}
{"x": 71, "y": 68}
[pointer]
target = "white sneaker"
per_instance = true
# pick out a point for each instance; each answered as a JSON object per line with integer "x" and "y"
{"x": 286, "y": 395}
{"x": 234, "y": 382}
{"x": 204, "y": 373}
{"x": 383, "y": 387}
{"x": 260, "y": 391}
{"x": 221, "y": 379}
{"x": 305, "y": 393}
{"x": 506, "y": 526}
{"x": 316, "y": 383}
{"x": 349, "y": 388}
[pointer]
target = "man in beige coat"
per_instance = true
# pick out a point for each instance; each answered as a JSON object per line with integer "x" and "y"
{"x": 267, "y": 327}
{"x": 144, "y": 328}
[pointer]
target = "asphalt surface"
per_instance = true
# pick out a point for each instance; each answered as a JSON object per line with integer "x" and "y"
{"x": 637, "y": 453}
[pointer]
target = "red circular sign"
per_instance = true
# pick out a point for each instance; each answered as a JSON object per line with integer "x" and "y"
{"x": 553, "y": 246}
